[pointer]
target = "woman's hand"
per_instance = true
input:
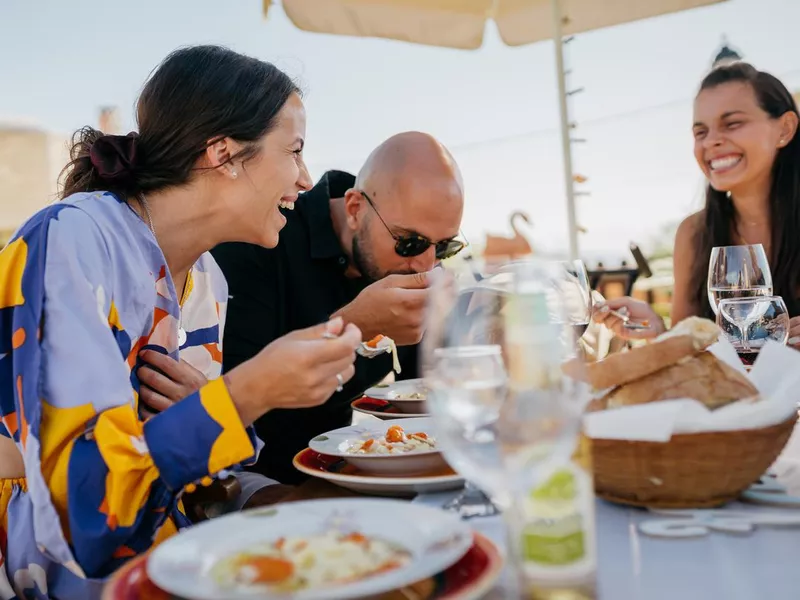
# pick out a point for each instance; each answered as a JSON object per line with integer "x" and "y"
{"x": 164, "y": 381}
{"x": 637, "y": 311}
{"x": 794, "y": 333}
{"x": 301, "y": 369}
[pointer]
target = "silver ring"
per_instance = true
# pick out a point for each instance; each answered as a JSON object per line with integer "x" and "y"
{"x": 340, "y": 381}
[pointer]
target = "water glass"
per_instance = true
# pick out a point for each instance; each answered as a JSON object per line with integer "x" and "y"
{"x": 738, "y": 272}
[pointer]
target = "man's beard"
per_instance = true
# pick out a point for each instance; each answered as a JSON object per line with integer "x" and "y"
{"x": 364, "y": 261}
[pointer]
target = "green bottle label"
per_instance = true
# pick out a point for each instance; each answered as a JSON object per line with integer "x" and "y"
{"x": 554, "y": 529}
{"x": 553, "y": 551}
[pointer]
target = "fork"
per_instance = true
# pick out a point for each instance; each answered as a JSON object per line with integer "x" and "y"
{"x": 626, "y": 320}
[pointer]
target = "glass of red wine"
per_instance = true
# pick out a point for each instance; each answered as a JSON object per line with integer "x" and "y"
{"x": 748, "y": 323}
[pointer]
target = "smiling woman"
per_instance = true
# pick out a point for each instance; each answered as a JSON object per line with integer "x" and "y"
{"x": 746, "y": 144}
{"x": 117, "y": 275}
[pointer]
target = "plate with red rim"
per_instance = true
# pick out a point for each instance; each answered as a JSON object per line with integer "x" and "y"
{"x": 468, "y": 579}
{"x": 408, "y": 395}
{"x": 383, "y": 409}
{"x": 339, "y": 472}
{"x": 420, "y": 459}
{"x": 325, "y": 549}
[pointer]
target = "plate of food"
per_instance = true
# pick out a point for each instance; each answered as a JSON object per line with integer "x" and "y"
{"x": 470, "y": 578}
{"x": 397, "y": 447}
{"x": 408, "y": 396}
{"x": 338, "y": 471}
{"x": 313, "y": 550}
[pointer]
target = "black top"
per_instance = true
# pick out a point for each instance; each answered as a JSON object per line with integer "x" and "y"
{"x": 298, "y": 284}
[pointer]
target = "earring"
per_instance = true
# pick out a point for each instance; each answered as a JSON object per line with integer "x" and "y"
{"x": 234, "y": 174}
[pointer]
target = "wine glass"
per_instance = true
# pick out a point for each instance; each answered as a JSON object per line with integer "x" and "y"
{"x": 506, "y": 416}
{"x": 571, "y": 292}
{"x": 576, "y": 294}
{"x": 461, "y": 357}
{"x": 738, "y": 272}
{"x": 469, "y": 389}
{"x": 472, "y": 338}
{"x": 749, "y": 323}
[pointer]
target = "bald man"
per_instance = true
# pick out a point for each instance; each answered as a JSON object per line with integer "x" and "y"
{"x": 358, "y": 247}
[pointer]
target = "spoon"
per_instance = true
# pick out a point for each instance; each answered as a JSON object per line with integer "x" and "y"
{"x": 370, "y": 352}
{"x": 376, "y": 346}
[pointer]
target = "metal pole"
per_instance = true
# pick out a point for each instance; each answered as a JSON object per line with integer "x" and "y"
{"x": 565, "y": 140}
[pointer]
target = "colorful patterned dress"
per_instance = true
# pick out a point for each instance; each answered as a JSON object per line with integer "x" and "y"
{"x": 83, "y": 289}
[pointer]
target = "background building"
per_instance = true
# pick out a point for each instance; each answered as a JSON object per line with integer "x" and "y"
{"x": 30, "y": 161}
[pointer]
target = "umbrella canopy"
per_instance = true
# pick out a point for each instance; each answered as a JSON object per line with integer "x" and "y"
{"x": 461, "y": 23}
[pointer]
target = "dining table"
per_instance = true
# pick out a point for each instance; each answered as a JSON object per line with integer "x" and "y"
{"x": 746, "y": 561}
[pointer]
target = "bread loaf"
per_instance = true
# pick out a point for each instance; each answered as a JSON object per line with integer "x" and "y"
{"x": 685, "y": 340}
{"x": 704, "y": 378}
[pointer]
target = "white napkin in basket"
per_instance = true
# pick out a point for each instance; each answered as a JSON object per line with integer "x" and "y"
{"x": 775, "y": 374}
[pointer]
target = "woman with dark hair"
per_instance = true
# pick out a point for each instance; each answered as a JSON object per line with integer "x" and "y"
{"x": 745, "y": 125}
{"x": 116, "y": 277}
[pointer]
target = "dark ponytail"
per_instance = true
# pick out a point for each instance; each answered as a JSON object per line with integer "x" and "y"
{"x": 100, "y": 162}
{"x": 197, "y": 96}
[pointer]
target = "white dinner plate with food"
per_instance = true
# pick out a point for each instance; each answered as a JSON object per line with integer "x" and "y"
{"x": 397, "y": 447}
{"x": 329, "y": 549}
{"x": 408, "y": 396}
{"x": 339, "y": 472}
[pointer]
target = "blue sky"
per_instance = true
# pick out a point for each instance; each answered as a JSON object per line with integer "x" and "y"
{"x": 496, "y": 107}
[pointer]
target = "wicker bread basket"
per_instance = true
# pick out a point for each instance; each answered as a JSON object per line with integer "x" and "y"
{"x": 697, "y": 470}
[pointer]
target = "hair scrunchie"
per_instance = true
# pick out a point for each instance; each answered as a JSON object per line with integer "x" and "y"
{"x": 114, "y": 158}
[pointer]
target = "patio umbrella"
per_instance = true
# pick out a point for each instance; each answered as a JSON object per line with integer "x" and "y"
{"x": 461, "y": 23}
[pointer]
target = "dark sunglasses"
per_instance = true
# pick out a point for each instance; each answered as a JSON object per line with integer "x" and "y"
{"x": 414, "y": 244}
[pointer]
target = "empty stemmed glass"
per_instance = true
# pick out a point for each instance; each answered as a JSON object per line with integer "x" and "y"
{"x": 738, "y": 272}
{"x": 575, "y": 293}
{"x": 463, "y": 367}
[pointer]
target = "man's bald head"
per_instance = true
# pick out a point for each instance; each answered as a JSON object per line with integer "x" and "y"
{"x": 416, "y": 189}
{"x": 406, "y": 160}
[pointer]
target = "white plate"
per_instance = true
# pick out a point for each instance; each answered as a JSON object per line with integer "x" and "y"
{"x": 329, "y": 468}
{"x": 392, "y": 391}
{"x": 436, "y": 540}
{"x": 336, "y": 443}
{"x": 388, "y": 411}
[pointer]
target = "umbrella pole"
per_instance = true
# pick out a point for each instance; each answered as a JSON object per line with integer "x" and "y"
{"x": 566, "y": 145}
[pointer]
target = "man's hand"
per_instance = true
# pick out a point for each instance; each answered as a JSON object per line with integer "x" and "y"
{"x": 393, "y": 306}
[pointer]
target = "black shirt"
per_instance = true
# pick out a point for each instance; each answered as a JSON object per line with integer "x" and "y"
{"x": 298, "y": 284}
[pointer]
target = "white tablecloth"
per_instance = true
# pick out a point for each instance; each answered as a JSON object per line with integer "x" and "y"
{"x": 763, "y": 565}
